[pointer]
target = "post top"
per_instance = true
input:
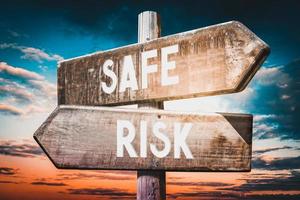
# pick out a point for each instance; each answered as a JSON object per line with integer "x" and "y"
{"x": 148, "y": 11}
{"x": 148, "y": 26}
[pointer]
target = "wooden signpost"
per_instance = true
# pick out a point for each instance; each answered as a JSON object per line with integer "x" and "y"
{"x": 82, "y": 134}
{"x": 151, "y": 184}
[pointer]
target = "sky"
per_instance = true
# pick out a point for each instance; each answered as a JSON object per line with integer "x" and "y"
{"x": 35, "y": 35}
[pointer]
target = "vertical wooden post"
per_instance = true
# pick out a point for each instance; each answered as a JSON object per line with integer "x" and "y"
{"x": 151, "y": 185}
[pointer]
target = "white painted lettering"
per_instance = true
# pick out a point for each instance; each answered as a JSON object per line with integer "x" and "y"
{"x": 157, "y": 133}
{"x": 168, "y": 65}
{"x": 125, "y": 141}
{"x": 180, "y": 135}
{"x": 147, "y": 69}
{"x": 128, "y": 78}
{"x": 108, "y": 72}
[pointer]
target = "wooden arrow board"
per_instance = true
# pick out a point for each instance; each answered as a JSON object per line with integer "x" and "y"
{"x": 207, "y": 61}
{"x": 110, "y": 138}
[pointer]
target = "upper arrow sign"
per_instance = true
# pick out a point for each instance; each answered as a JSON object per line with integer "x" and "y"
{"x": 208, "y": 61}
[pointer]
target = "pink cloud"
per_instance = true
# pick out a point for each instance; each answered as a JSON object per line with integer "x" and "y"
{"x": 49, "y": 89}
{"x": 16, "y": 71}
{"x": 20, "y": 92}
{"x": 40, "y": 93}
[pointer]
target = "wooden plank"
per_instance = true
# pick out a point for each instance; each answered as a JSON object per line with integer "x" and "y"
{"x": 86, "y": 138}
{"x": 213, "y": 60}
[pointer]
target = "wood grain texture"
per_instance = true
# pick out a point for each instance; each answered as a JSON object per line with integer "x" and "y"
{"x": 85, "y": 138}
{"x": 151, "y": 185}
{"x": 213, "y": 60}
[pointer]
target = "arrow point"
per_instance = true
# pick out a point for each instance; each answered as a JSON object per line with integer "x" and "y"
{"x": 255, "y": 51}
{"x": 37, "y": 139}
{"x": 242, "y": 125}
{"x": 40, "y": 132}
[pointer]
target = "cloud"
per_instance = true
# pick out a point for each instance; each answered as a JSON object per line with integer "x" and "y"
{"x": 277, "y": 102}
{"x": 273, "y": 196}
{"x": 119, "y": 176}
{"x": 254, "y": 186}
{"x": 101, "y": 192}
{"x": 284, "y": 96}
{"x": 221, "y": 195}
{"x": 258, "y": 118}
{"x": 38, "y": 55}
{"x": 272, "y": 75}
{"x": 21, "y": 72}
{"x": 49, "y": 89}
{"x": 271, "y": 149}
{"x": 24, "y": 92}
{"x": 43, "y": 67}
{"x": 289, "y": 183}
{"x": 7, "y": 45}
{"x": 8, "y": 109}
{"x": 276, "y": 163}
{"x": 16, "y": 91}
{"x": 9, "y": 182}
{"x": 200, "y": 184}
{"x": 259, "y": 184}
{"x": 207, "y": 195}
{"x": 24, "y": 149}
{"x": 31, "y": 53}
{"x": 28, "y": 110}
{"x": 8, "y": 171}
{"x": 48, "y": 183}
{"x": 265, "y": 130}
{"x": 230, "y": 196}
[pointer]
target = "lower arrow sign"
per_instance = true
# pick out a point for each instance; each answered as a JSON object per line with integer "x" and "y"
{"x": 110, "y": 138}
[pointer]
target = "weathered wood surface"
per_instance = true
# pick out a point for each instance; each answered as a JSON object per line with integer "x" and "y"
{"x": 151, "y": 185}
{"x": 213, "y": 60}
{"x": 85, "y": 138}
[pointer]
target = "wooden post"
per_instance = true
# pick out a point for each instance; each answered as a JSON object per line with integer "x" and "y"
{"x": 151, "y": 185}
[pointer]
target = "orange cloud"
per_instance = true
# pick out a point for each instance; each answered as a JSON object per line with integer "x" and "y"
{"x": 10, "y": 109}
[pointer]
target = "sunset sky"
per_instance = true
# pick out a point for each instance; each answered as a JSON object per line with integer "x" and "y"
{"x": 35, "y": 35}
